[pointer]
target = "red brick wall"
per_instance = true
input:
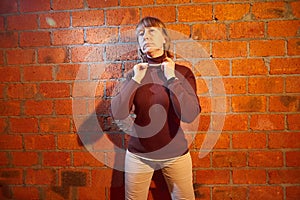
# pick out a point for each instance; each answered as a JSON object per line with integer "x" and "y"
{"x": 254, "y": 44}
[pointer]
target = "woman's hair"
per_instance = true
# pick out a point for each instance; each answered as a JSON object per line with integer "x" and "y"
{"x": 154, "y": 22}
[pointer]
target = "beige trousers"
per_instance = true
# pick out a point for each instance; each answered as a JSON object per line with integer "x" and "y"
{"x": 177, "y": 173}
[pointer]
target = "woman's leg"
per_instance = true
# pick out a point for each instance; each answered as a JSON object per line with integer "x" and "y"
{"x": 179, "y": 177}
{"x": 138, "y": 175}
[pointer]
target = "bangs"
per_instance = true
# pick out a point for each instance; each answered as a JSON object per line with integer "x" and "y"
{"x": 150, "y": 22}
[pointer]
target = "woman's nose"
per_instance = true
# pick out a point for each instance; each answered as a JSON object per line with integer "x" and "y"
{"x": 146, "y": 34}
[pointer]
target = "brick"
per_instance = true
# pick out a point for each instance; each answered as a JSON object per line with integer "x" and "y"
{"x": 291, "y": 84}
{"x": 2, "y": 25}
{"x": 136, "y": 3}
{"x": 172, "y": 1}
{"x": 229, "y": 49}
{"x": 292, "y": 159}
{"x": 293, "y": 122}
{"x": 11, "y": 176}
{"x": 231, "y": 11}
{"x": 249, "y": 176}
{"x": 88, "y": 18}
{"x": 102, "y": 4}
{"x": 197, "y": 162}
{"x": 265, "y": 85}
{"x": 274, "y": 10}
{"x": 228, "y": 193}
{"x": 266, "y": 48}
{"x": 4, "y": 159}
{"x": 194, "y": 13}
{"x": 284, "y": 140}
{"x": 21, "y": 91}
{"x": 9, "y": 39}
{"x": 121, "y": 52}
{"x": 249, "y": 103}
{"x": 10, "y": 108}
{"x": 284, "y": 103}
{"x": 55, "y": 90}
{"x": 201, "y": 86}
{"x": 212, "y": 176}
{"x": 177, "y": 31}
{"x": 124, "y": 16}
{"x": 284, "y": 28}
{"x": 55, "y": 20}
{"x": 68, "y": 142}
{"x": 107, "y": 179}
{"x": 53, "y": 159}
{"x": 293, "y": 47}
{"x": 106, "y": 71}
{"x": 91, "y": 194}
{"x": 209, "y": 31}
{"x": 20, "y": 56}
{"x": 67, "y": 4}
{"x": 25, "y": 158}
{"x": 40, "y": 176}
{"x": 72, "y": 72}
{"x": 127, "y": 34}
{"x": 39, "y": 142}
{"x": 265, "y": 192}
{"x": 55, "y": 125}
{"x": 10, "y": 74}
{"x": 10, "y": 142}
{"x": 249, "y": 140}
{"x": 38, "y": 5}
{"x": 67, "y": 37}
{"x": 230, "y": 85}
{"x": 248, "y": 67}
{"x": 87, "y": 54}
{"x": 265, "y": 159}
{"x": 37, "y": 107}
{"x": 292, "y": 192}
{"x": 291, "y": 66}
{"x": 267, "y": 122}
{"x": 160, "y": 12}
{"x": 1, "y": 58}
{"x": 229, "y": 159}
{"x": 8, "y": 6}
{"x": 53, "y": 55}
{"x": 236, "y": 122}
{"x": 102, "y": 35}
{"x": 243, "y": 30}
{"x": 23, "y": 125}
{"x": 296, "y": 8}
{"x": 26, "y": 192}
{"x": 22, "y": 22}
{"x": 37, "y": 73}
{"x": 87, "y": 159}
{"x": 284, "y": 176}
{"x": 63, "y": 107}
{"x": 3, "y": 91}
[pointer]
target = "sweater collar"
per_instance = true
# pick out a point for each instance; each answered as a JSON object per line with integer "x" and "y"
{"x": 157, "y": 60}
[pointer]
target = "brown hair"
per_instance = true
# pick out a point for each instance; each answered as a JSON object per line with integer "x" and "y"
{"x": 155, "y": 22}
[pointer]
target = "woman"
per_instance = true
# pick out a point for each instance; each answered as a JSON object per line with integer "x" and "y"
{"x": 161, "y": 94}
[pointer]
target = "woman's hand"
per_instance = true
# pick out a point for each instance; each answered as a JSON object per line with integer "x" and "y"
{"x": 139, "y": 72}
{"x": 168, "y": 66}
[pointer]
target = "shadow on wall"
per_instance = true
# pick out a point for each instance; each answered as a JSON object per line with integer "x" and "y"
{"x": 158, "y": 189}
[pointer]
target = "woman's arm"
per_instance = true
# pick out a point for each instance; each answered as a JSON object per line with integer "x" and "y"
{"x": 122, "y": 102}
{"x": 183, "y": 96}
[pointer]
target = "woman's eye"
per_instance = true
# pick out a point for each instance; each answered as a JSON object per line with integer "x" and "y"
{"x": 141, "y": 33}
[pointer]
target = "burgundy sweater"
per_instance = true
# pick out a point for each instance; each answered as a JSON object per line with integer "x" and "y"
{"x": 159, "y": 106}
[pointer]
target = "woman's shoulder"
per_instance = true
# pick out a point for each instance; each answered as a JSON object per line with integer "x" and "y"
{"x": 183, "y": 69}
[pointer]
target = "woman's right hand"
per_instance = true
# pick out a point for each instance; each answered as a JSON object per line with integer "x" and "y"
{"x": 139, "y": 72}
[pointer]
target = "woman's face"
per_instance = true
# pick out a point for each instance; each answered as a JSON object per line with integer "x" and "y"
{"x": 151, "y": 40}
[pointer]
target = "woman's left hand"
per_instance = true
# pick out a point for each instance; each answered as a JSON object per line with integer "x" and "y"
{"x": 168, "y": 67}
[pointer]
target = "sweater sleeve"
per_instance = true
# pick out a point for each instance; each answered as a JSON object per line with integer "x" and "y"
{"x": 122, "y": 102}
{"x": 183, "y": 96}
